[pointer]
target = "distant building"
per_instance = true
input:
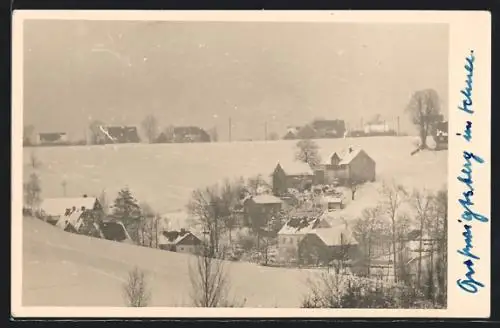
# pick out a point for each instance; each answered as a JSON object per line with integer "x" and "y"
{"x": 306, "y": 132}
{"x": 183, "y": 134}
{"x": 53, "y": 138}
{"x": 441, "y": 135}
{"x": 181, "y": 241}
{"x": 349, "y": 165}
{"x": 329, "y": 128}
{"x": 376, "y": 128}
{"x": 293, "y": 174}
{"x": 117, "y": 134}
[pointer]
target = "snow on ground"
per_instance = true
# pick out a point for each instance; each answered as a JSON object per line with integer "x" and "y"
{"x": 164, "y": 175}
{"x": 64, "y": 269}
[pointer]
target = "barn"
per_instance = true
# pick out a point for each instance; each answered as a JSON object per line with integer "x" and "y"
{"x": 294, "y": 174}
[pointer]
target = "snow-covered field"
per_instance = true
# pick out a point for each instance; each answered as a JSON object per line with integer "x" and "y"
{"x": 70, "y": 270}
{"x": 64, "y": 269}
{"x": 164, "y": 175}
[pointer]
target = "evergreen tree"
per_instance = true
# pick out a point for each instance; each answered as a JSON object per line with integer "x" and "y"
{"x": 128, "y": 211}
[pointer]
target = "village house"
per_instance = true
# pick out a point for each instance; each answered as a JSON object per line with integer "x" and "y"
{"x": 258, "y": 210}
{"x": 70, "y": 213}
{"x": 291, "y": 175}
{"x": 292, "y": 232}
{"x": 181, "y": 241}
{"x": 352, "y": 165}
{"x": 117, "y": 134}
{"x": 332, "y": 203}
{"x": 113, "y": 229}
{"x": 441, "y": 135}
{"x": 53, "y": 138}
{"x": 329, "y": 128}
{"x": 183, "y": 134}
{"x": 322, "y": 246}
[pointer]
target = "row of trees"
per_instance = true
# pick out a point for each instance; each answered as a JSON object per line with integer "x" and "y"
{"x": 388, "y": 222}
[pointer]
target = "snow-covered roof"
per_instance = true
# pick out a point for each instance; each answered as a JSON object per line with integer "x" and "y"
{"x": 331, "y": 199}
{"x": 346, "y": 155}
{"x": 299, "y": 226}
{"x": 335, "y": 236}
{"x": 173, "y": 237}
{"x": 58, "y": 206}
{"x": 266, "y": 199}
{"x": 296, "y": 168}
{"x": 73, "y": 218}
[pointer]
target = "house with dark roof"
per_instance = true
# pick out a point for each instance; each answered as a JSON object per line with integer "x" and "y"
{"x": 329, "y": 128}
{"x": 291, "y": 174}
{"x": 350, "y": 165}
{"x": 117, "y": 134}
{"x": 181, "y": 241}
{"x": 113, "y": 229}
{"x": 258, "y": 210}
{"x": 52, "y": 138}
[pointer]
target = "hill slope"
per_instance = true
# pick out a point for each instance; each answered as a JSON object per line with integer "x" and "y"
{"x": 64, "y": 269}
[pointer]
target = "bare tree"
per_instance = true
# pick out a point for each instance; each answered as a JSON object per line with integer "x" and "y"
{"x": 103, "y": 200}
{"x": 150, "y": 127}
{"x": 422, "y": 201}
{"x": 32, "y": 191}
{"x": 214, "y": 136}
{"x": 255, "y": 183}
{"x": 205, "y": 204}
{"x": 34, "y": 161}
{"x": 149, "y": 226}
{"x": 95, "y": 132}
{"x": 394, "y": 195}
{"x": 440, "y": 234}
{"x": 210, "y": 281}
{"x": 136, "y": 292}
{"x": 366, "y": 230}
{"x": 307, "y": 152}
{"x": 354, "y": 185}
{"x": 28, "y": 131}
{"x": 424, "y": 108}
{"x": 214, "y": 207}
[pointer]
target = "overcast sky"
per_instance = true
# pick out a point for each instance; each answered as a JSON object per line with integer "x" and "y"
{"x": 193, "y": 73}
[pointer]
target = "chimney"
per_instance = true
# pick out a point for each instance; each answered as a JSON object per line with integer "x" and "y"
{"x": 183, "y": 231}
{"x": 350, "y": 150}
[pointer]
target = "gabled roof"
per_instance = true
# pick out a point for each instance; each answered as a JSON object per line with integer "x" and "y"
{"x": 266, "y": 199}
{"x": 300, "y": 226}
{"x": 336, "y": 236}
{"x": 346, "y": 155}
{"x": 58, "y": 206}
{"x": 173, "y": 237}
{"x": 296, "y": 168}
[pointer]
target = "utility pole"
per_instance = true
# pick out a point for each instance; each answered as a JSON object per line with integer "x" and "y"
{"x": 64, "y": 184}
